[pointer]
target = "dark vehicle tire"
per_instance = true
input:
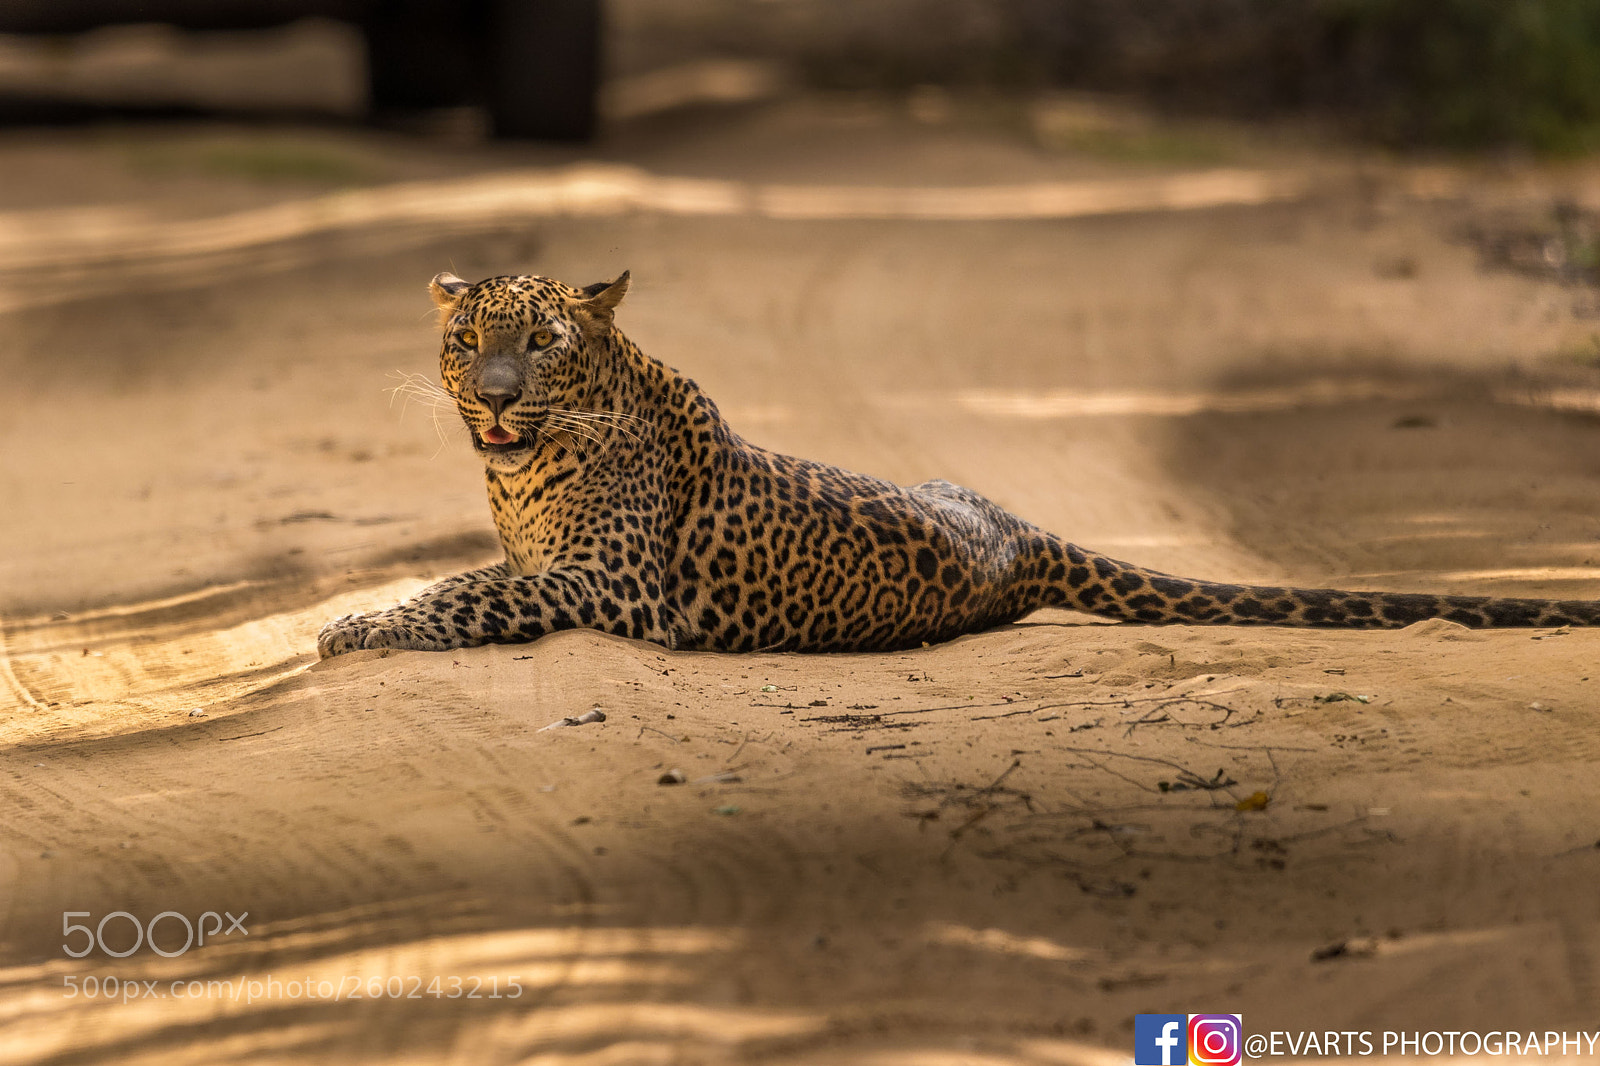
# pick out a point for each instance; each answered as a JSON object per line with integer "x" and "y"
{"x": 544, "y": 68}
{"x": 420, "y": 54}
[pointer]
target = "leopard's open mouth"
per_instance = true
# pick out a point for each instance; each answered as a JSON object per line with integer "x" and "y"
{"x": 497, "y": 438}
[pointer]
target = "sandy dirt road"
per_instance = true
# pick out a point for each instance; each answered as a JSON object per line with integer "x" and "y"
{"x": 994, "y": 851}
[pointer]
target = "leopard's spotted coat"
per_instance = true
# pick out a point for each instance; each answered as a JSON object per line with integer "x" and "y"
{"x": 626, "y": 504}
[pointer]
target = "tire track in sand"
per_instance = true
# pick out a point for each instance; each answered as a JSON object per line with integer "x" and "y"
{"x": 138, "y": 665}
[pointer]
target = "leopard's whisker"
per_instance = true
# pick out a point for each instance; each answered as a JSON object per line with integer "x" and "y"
{"x": 438, "y": 430}
{"x": 609, "y": 419}
{"x": 586, "y": 413}
{"x": 419, "y": 389}
{"x": 421, "y": 381}
{"x": 575, "y": 429}
{"x": 620, "y": 427}
{"x": 580, "y": 425}
{"x": 434, "y": 410}
{"x": 421, "y": 400}
{"x": 587, "y": 434}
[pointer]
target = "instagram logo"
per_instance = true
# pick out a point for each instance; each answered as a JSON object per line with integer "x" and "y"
{"x": 1187, "y": 1039}
{"x": 1215, "y": 1039}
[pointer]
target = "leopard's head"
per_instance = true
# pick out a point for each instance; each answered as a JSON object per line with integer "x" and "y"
{"x": 519, "y": 351}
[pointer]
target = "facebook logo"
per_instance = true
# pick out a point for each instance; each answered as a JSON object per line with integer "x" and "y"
{"x": 1160, "y": 1039}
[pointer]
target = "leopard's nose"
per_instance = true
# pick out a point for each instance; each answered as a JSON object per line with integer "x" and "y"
{"x": 499, "y": 387}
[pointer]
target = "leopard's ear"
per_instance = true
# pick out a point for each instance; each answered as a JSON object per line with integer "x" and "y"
{"x": 606, "y": 295}
{"x": 446, "y": 290}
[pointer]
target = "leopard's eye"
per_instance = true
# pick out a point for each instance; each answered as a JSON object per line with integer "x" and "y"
{"x": 469, "y": 337}
{"x": 542, "y": 338}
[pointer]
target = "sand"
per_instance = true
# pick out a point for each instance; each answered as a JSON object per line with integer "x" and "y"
{"x": 995, "y": 851}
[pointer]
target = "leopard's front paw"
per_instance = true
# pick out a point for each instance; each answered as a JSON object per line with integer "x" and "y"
{"x": 347, "y": 633}
{"x": 354, "y": 632}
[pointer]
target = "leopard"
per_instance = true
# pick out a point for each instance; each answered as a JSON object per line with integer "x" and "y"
{"x": 625, "y": 503}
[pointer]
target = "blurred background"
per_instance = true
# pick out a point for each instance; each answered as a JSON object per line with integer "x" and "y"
{"x": 1466, "y": 74}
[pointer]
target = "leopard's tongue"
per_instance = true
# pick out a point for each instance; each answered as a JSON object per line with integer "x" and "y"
{"x": 498, "y": 435}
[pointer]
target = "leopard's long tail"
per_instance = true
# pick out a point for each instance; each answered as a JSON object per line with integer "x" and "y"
{"x": 1091, "y": 582}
